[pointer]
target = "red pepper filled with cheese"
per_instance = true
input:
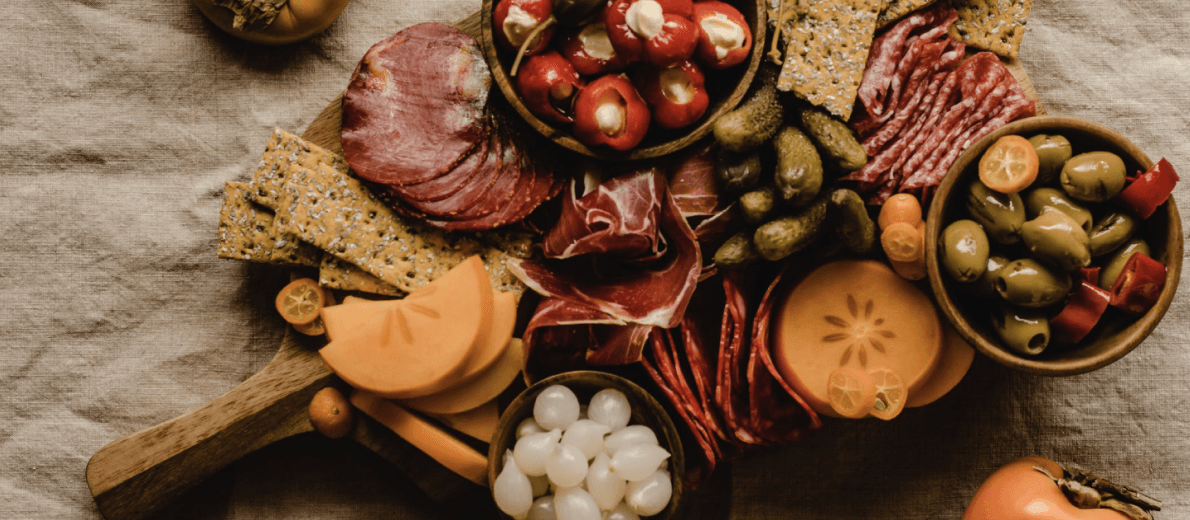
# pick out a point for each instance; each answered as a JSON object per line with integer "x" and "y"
{"x": 591, "y": 51}
{"x": 724, "y": 38}
{"x": 515, "y": 20}
{"x": 661, "y": 32}
{"x": 609, "y": 112}
{"x": 677, "y": 95}
{"x": 549, "y": 84}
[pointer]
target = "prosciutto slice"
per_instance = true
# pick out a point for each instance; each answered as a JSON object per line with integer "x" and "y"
{"x": 693, "y": 184}
{"x": 636, "y": 209}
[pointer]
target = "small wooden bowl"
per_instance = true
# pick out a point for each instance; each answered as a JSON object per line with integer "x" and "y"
{"x": 726, "y": 88}
{"x": 585, "y": 383}
{"x": 1117, "y": 334}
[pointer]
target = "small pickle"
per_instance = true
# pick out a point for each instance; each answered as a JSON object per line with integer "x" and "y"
{"x": 1052, "y": 152}
{"x": 1111, "y": 231}
{"x": 737, "y": 172}
{"x": 834, "y": 139}
{"x": 1093, "y": 176}
{"x": 757, "y": 205}
{"x": 1029, "y": 283}
{"x": 798, "y": 177}
{"x": 854, "y": 226}
{"x": 1025, "y": 331}
{"x": 1111, "y": 270}
{"x": 756, "y": 119}
{"x": 965, "y": 250}
{"x": 737, "y": 251}
{"x": 787, "y": 235}
{"x": 1040, "y": 198}
{"x": 1001, "y": 215}
{"x": 986, "y": 284}
{"x": 1058, "y": 239}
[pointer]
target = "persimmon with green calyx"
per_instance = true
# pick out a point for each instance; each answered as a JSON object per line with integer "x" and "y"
{"x": 272, "y": 22}
{"x": 1035, "y": 488}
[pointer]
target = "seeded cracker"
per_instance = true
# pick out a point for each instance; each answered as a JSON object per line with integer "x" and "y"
{"x": 827, "y": 51}
{"x": 339, "y": 215}
{"x": 284, "y": 152}
{"x": 337, "y": 274}
{"x": 898, "y": 8}
{"x": 247, "y": 232}
{"x": 993, "y": 25}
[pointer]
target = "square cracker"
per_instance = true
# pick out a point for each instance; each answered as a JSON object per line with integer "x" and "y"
{"x": 247, "y": 232}
{"x": 282, "y": 154}
{"x": 337, "y": 274}
{"x": 899, "y": 8}
{"x": 341, "y": 216}
{"x": 827, "y": 52}
{"x": 992, "y": 25}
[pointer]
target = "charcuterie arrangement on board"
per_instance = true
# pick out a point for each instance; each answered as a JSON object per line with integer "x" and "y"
{"x": 883, "y": 202}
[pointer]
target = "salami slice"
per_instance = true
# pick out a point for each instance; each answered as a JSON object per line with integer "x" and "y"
{"x": 535, "y": 185}
{"x": 443, "y": 187}
{"x": 778, "y": 412}
{"x": 472, "y": 193}
{"x": 695, "y": 474}
{"x": 415, "y": 105}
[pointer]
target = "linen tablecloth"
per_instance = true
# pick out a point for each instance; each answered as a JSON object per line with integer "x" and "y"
{"x": 120, "y": 122}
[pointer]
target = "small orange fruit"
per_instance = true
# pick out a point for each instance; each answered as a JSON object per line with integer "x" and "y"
{"x": 901, "y": 207}
{"x": 1010, "y": 165}
{"x": 301, "y": 301}
{"x": 902, "y": 242}
{"x": 331, "y": 413}
{"x": 852, "y": 392}
{"x": 891, "y": 393}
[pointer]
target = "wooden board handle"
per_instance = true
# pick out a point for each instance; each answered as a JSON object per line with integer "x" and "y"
{"x": 135, "y": 476}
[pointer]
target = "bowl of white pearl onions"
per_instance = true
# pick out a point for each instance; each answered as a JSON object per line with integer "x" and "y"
{"x": 586, "y": 445}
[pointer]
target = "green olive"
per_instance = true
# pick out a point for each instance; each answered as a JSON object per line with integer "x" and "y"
{"x": 965, "y": 250}
{"x": 1111, "y": 231}
{"x": 1040, "y": 198}
{"x": 1111, "y": 270}
{"x": 1093, "y": 176}
{"x": 986, "y": 284}
{"x": 1058, "y": 239}
{"x": 1000, "y": 214}
{"x": 1029, "y": 283}
{"x": 1025, "y": 331}
{"x": 1052, "y": 152}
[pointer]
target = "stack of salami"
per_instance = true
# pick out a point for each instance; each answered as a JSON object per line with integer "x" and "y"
{"x": 416, "y": 120}
{"x": 924, "y": 104}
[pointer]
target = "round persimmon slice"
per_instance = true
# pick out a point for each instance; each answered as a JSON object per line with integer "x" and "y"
{"x": 300, "y": 302}
{"x": 891, "y": 394}
{"x": 852, "y": 392}
{"x": 1010, "y": 165}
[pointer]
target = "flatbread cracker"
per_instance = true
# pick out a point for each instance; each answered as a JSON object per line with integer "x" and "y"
{"x": 899, "y": 8}
{"x": 827, "y": 51}
{"x": 247, "y": 232}
{"x": 337, "y": 274}
{"x": 283, "y": 152}
{"x": 992, "y": 25}
{"x": 340, "y": 215}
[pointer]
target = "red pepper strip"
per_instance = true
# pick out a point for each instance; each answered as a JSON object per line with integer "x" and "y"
{"x": 1139, "y": 285}
{"x": 1150, "y": 189}
{"x": 1083, "y": 311}
{"x": 1089, "y": 274}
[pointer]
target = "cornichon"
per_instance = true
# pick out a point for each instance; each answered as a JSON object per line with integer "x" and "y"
{"x": 754, "y": 121}
{"x": 854, "y": 226}
{"x": 787, "y": 235}
{"x": 737, "y": 251}
{"x": 757, "y": 205}
{"x": 798, "y": 176}
{"x": 834, "y": 138}
{"x": 737, "y": 172}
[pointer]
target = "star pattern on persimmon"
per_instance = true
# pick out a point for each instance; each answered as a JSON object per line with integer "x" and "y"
{"x": 863, "y": 330}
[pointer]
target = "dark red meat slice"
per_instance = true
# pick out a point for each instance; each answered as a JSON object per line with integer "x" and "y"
{"x": 535, "y": 185}
{"x": 620, "y": 217}
{"x": 502, "y": 191}
{"x": 415, "y": 105}
{"x": 450, "y": 183}
{"x": 695, "y": 474}
{"x": 603, "y": 338}
{"x": 701, "y": 372}
{"x": 472, "y": 193}
{"x": 693, "y": 184}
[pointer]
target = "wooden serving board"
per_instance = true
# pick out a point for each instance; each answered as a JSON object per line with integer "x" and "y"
{"x": 140, "y": 474}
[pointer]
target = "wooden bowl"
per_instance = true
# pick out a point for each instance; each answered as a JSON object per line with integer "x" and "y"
{"x": 585, "y": 383}
{"x": 726, "y": 88}
{"x": 1116, "y": 334}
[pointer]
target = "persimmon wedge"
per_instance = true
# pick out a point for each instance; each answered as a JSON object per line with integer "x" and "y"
{"x": 474, "y": 391}
{"x": 857, "y": 314}
{"x": 420, "y": 345}
{"x": 952, "y": 367}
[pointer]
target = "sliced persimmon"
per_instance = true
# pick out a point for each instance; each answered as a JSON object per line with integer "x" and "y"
{"x": 854, "y": 313}
{"x": 418, "y": 346}
{"x": 477, "y": 390}
{"x": 891, "y": 394}
{"x": 957, "y": 356}
{"x": 851, "y": 392}
{"x": 301, "y": 301}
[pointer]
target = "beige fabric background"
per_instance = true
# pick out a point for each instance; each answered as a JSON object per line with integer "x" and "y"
{"x": 120, "y": 122}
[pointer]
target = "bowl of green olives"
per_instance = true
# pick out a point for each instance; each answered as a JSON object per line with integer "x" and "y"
{"x": 1007, "y": 264}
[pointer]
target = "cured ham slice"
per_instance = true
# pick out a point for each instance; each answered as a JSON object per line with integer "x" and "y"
{"x": 415, "y": 105}
{"x": 693, "y": 184}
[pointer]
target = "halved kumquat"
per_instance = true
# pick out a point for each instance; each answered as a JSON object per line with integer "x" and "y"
{"x": 300, "y": 302}
{"x": 1009, "y": 165}
{"x": 852, "y": 392}
{"x": 891, "y": 393}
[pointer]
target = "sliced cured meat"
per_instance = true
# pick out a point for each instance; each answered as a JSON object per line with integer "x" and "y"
{"x": 693, "y": 184}
{"x": 535, "y": 185}
{"x": 415, "y": 105}
{"x": 655, "y": 292}
{"x": 449, "y": 184}
{"x": 619, "y": 217}
{"x": 472, "y": 193}
{"x": 501, "y": 191}
{"x": 695, "y": 474}
{"x": 605, "y": 340}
